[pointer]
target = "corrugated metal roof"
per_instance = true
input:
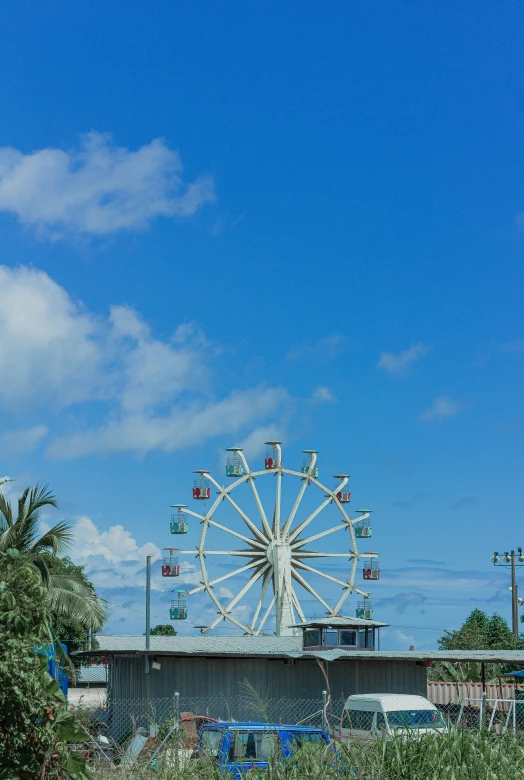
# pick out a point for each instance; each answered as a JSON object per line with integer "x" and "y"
{"x": 340, "y": 621}
{"x": 486, "y": 656}
{"x": 285, "y": 646}
{"x": 200, "y": 645}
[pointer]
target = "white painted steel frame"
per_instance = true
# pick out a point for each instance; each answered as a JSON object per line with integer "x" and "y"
{"x": 276, "y": 550}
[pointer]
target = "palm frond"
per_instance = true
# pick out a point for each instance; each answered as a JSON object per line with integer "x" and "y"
{"x": 57, "y": 540}
{"x": 6, "y": 513}
{"x": 39, "y": 497}
{"x": 41, "y": 565}
{"x": 22, "y": 509}
{"x": 9, "y": 538}
{"x": 68, "y": 596}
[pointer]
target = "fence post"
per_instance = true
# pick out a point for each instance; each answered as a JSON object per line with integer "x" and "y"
{"x": 176, "y": 706}
{"x": 324, "y": 704}
{"x": 483, "y": 710}
{"x": 514, "y": 716}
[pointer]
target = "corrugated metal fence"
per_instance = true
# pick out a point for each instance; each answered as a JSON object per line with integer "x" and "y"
{"x": 453, "y": 693}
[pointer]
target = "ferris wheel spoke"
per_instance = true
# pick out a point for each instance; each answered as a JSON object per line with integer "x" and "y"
{"x": 298, "y": 607}
{"x": 266, "y": 615}
{"x": 251, "y": 480}
{"x": 242, "y": 553}
{"x": 252, "y": 527}
{"x": 293, "y": 616}
{"x": 298, "y": 530}
{"x": 249, "y": 584}
{"x": 289, "y": 521}
{"x": 193, "y": 514}
{"x": 307, "y": 586}
{"x": 330, "y": 497}
{"x": 235, "y": 533}
{"x": 320, "y": 573}
{"x": 209, "y": 583}
{"x": 263, "y": 517}
{"x": 302, "y": 542}
{"x": 225, "y": 611}
{"x": 342, "y": 599}
{"x": 363, "y": 593}
{"x": 265, "y": 585}
{"x": 311, "y": 554}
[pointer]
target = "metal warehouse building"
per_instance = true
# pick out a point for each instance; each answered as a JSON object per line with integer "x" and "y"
{"x": 216, "y": 666}
{"x": 279, "y": 667}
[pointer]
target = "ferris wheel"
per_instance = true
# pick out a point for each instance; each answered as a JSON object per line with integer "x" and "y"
{"x": 276, "y": 555}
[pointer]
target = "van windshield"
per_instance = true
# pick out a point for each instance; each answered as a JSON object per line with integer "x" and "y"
{"x": 415, "y": 719}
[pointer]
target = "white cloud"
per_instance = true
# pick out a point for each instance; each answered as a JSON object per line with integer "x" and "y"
{"x": 183, "y": 426}
{"x": 225, "y": 593}
{"x": 150, "y": 393}
{"x": 323, "y": 395}
{"x": 113, "y": 558}
{"x": 397, "y": 363}
{"x": 49, "y": 345}
{"x": 408, "y": 640}
{"x": 190, "y": 574}
{"x": 319, "y": 351}
{"x": 253, "y": 445}
{"x": 115, "y": 545}
{"x": 18, "y": 442}
{"x": 442, "y": 407}
{"x": 99, "y": 188}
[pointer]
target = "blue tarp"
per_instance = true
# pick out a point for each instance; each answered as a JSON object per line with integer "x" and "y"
{"x": 54, "y": 668}
{"x": 514, "y": 674}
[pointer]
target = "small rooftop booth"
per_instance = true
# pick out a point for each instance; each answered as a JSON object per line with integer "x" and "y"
{"x": 346, "y": 633}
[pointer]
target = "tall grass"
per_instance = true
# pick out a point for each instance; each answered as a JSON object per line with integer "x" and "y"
{"x": 455, "y": 754}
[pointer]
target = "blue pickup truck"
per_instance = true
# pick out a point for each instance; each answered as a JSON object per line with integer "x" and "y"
{"x": 236, "y": 748}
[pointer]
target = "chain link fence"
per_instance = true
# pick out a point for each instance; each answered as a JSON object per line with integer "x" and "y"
{"x": 123, "y": 717}
{"x": 498, "y": 715}
{"x": 120, "y": 722}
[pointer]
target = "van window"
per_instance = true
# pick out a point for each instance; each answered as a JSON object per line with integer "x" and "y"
{"x": 210, "y": 741}
{"x": 415, "y": 719}
{"x": 381, "y": 722}
{"x": 358, "y": 720}
{"x": 252, "y": 746}
{"x": 298, "y": 738}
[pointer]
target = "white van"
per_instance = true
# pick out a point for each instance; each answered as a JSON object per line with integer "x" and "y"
{"x": 370, "y": 716}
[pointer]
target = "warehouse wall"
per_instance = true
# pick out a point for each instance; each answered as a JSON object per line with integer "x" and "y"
{"x": 273, "y": 678}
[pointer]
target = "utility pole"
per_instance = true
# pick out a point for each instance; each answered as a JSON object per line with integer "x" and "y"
{"x": 512, "y": 560}
{"x": 148, "y": 610}
{"x": 514, "y": 598}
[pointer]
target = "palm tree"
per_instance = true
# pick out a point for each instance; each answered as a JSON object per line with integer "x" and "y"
{"x": 66, "y": 595}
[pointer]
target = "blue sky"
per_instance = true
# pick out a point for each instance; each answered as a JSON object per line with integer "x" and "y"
{"x": 223, "y": 222}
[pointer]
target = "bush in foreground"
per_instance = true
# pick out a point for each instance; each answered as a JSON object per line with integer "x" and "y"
{"x": 452, "y": 755}
{"x": 35, "y": 725}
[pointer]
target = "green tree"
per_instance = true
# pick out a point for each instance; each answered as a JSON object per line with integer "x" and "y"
{"x": 478, "y": 632}
{"x": 72, "y": 631}
{"x": 67, "y": 595}
{"x": 35, "y": 725}
{"x": 163, "y": 630}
